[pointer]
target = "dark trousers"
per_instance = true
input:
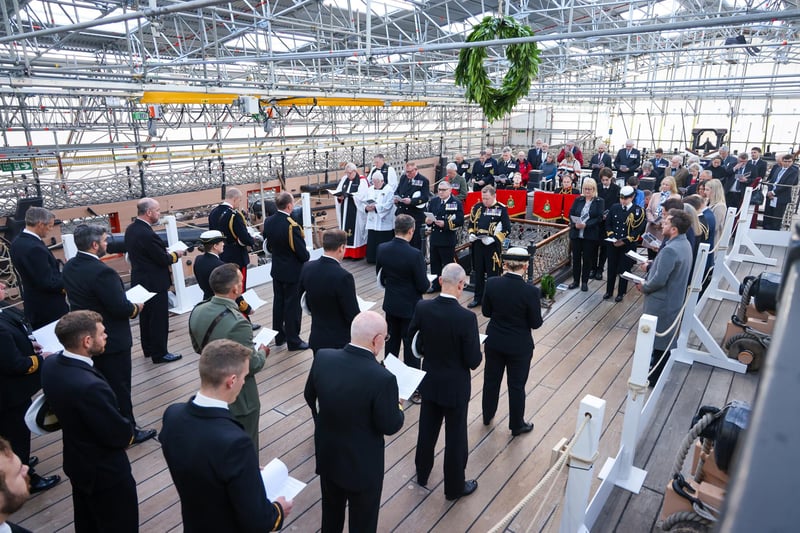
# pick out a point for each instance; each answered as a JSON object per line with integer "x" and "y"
{"x": 618, "y": 263}
{"x": 364, "y": 507}
{"x": 14, "y": 430}
{"x": 654, "y": 358}
{"x": 397, "y": 328}
{"x": 773, "y": 216}
{"x": 116, "y": 368}
{"x": 602, "y": 255}
{"x": 114, "y": 508}
{"x": 286, "y": 312}
{"x": 154, "y": 326}
{"x": 517, "y": 368}
{"x": 374, "y": 238}
{"x": 455, "y": 444}
{"x": 484, "y": 265}
{"x": 584, "y": 255}
{"x": 440, "y": 256}
{"x": 733, "y": 199}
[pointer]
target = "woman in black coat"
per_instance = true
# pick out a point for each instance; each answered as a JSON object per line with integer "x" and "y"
{"x": 586, "y": 220}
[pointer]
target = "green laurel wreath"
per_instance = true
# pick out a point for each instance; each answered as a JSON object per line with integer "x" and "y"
{"x": 471, "y": 75}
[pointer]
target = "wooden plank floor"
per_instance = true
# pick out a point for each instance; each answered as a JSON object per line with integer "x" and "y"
{"x": 584, "y": 347}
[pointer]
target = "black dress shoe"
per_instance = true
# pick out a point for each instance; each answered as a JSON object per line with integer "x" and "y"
{"x": 524, "y": 428}
{"x": 279, "y": 341}
{"x": 422, "y": 482}
{"x": 298, "y": 347}
{"x": 573, "y": 285}
{"x": 607, "y": 295}
{"x": 599, "y": 275}
{"x": 473, "y": 303}
{"x": 141, "y": 435}
{"x": 256, "y": 326}
{"x": 619, "y": 298}
{"x": 41, "y": 484}
{"x": 32, "y": 461}
{"x": 469, "y": 487}
{"x": 592, "y": 274}
{"x": 584, "y": 287}
{"x": 167, "y": 358}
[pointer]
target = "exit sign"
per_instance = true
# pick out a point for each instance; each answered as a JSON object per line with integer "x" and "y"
{"x": 140, "y": 115}
{"x": 16, "y": 166}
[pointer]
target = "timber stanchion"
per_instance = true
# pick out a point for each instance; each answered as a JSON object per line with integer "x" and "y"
{"x": 581, "y": 463}
{"x": 183, "y": 301}
{"x": 749, "y": 238}
{"x": 715, "y": 356}
{"x": 722, "y": 271}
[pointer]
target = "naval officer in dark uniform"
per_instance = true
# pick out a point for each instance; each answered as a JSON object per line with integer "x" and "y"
{"x": 512, "y": 306}
{"x": 488, "y": 227}
{"x": 625, "y": 224}
{"x": 411, "y": 198}
{"x": 228, "y": 218}
{"x": 448, "y": 217}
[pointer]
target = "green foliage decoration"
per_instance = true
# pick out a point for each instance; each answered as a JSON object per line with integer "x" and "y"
{"x": 524, "y": 60}
{"x": 548, "y": 286}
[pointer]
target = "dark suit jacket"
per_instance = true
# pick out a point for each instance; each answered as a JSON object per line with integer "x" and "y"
{"x": 403, "y": 273}
{"x": 659, "y": 167}
{"x": 288, "y": 247}
{"x": 448, "y": 334}
{"x": 594, "y": 226}
{"x": 331, "y": 297}
{"x": 596, "y": 160}
{"x": 783, "y": 191}
{"x": 19, "y": 366}
{"x": 623, "y": 160}
{"x": 756, "y": 169}
{"x": 358, "y": 405}
{"x": 216, "y": 471}
{"x": 40, "y": 277}
{"x": 148, "y": 256}
{"x": 94, "y": 432}
{"x": 93, "y": 285}
{"x": 514, "y": 310}
{"x": 610, "y": 196}
{"x": 451, "y": 211}
{"x": 535, "y": 157}
{"x": 203, "y": 266}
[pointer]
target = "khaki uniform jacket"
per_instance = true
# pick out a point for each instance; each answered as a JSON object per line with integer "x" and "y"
{"x": 233, "y": 326}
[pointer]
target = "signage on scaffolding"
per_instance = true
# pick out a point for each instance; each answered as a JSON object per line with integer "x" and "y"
{"x": 16, "y": 166}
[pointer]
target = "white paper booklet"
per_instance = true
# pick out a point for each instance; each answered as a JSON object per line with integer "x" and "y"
{"x": 179, "y": 246}
{"x": 138, "y": 294}
{"x": 278, "y": 482}
{"x": 482, "y": 338}
{"x": 264, "y": 337}
{"x": 364, "y": 305}
{"x": 636, "y": 257}
{"x": 46, "y": 336}
{"x": 408, "y": 379}
{"x": 432, "y": 277}
{"x": 251, "y": 297}
{"x": 611, "y": 240}
{"x": 632, "y": 277}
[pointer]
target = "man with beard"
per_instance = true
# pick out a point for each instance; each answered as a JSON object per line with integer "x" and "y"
{"x": 13, "y": 487}
{"x": 94, "y": 431}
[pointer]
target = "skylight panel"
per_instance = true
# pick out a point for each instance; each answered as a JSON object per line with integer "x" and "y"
{"x": 466, "y": 25}
{"x": 379, "y": 7}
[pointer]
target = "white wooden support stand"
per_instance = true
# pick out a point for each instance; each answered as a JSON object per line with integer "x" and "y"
{"x": 626, "y": 475}
{"x": 308, "y": 228}
{"x": 182, "y": 303}
{"x": 581, "y": 461}
{"x": 750, "y": 238}
{"x": 68, "y": 242}
{"x": 715, "y": 356}
{"x": 721, "y": 269}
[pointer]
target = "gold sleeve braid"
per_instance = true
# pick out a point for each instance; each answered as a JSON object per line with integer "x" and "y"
{"x": 450, "y": 223}
{"x": 633, "y": 222}
{"x": 474, "y": 216}
{"x": 34, "y": 365}
{"x": 292, "y": 225}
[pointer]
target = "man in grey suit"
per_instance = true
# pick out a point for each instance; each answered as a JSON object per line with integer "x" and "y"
{"x": 665, "y": 285}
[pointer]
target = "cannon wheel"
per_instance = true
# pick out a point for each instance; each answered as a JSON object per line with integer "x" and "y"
{"x": 745, "y": 348}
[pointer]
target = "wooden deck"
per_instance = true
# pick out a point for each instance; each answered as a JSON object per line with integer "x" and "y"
{"x": 584, "y": 347}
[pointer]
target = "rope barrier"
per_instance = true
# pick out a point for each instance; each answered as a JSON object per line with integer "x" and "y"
{"x": 556, "y": 468}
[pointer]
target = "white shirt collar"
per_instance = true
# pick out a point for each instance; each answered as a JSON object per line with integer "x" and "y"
{"x": 444, "y": 295}
{"x": 90, "y": 254}
{"x": 29, "y": 232}
{"x": 82, "y": 358}
{"x": 331, "y": 257}
{"x": 204, "y": 401}
{"x": 5, "y": 528}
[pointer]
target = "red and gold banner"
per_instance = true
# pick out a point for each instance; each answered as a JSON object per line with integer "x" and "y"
{"x": 569, "y": 199}
{"x": 548, "y": 205}
{"x": 514, "y": 200}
